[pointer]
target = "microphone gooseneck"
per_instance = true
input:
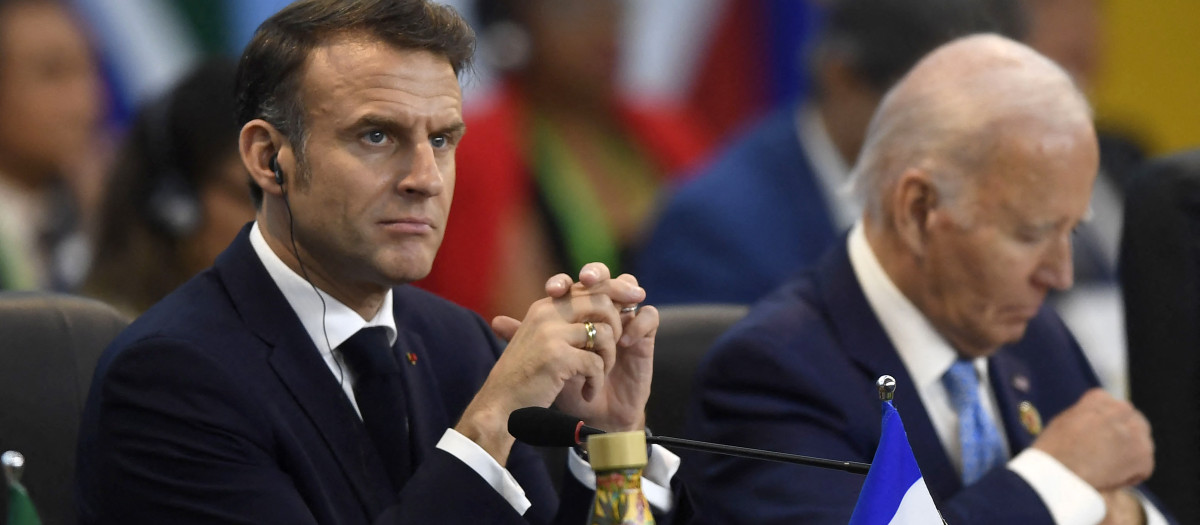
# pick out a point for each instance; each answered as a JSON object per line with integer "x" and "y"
{"x": 543, "y": 427}
{"x": 754, "y": 453}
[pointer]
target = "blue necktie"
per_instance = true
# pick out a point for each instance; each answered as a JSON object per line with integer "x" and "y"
{"x": 379, "y": 392}
{"x": 982, "y": 448}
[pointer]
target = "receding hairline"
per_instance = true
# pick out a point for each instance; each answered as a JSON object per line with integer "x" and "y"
{"x": 366, "y": 40}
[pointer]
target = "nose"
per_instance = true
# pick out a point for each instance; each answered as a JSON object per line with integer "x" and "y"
{"x": 424, "y": 175}
{"x": 1056, "y": 270}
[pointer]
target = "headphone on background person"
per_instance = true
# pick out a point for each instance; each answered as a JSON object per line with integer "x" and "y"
{"x": 172, "y": 205}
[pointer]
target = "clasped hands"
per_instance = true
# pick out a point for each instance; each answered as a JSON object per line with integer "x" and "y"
{"x": 546, "y": 360}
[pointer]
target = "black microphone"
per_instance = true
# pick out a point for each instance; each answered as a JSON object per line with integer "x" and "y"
{"x": 543, "y": 427}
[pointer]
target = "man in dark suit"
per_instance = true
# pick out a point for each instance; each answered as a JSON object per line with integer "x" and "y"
{"x": 977, "y": 167}
{"x": 299, "y": 380}
{"x": 775, "y": 199}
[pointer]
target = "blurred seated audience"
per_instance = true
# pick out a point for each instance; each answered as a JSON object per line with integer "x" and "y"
{"x": 562, "y": 168}
{"x": 774, "y": 200}
{"x": 1160, "y": 278}
{"x": 51, "y": 103}
{"x": 177, "y": 196}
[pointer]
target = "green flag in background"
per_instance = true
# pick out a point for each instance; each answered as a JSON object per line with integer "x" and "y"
{"x": 20, "y": 507}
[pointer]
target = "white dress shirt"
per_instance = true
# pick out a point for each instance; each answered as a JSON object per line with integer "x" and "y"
{"x": 330, "y": 323}
{"x": 831, "y": 170}
{"x": 927, "y": 356}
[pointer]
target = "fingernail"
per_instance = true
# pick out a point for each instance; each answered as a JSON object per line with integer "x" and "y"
{"x": 588, "y": 273}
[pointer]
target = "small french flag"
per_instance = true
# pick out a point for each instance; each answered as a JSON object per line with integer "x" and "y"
{"x": 894, "y": 492}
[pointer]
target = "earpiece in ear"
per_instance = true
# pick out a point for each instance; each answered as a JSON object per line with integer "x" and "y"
{"x": 278, "y": 171}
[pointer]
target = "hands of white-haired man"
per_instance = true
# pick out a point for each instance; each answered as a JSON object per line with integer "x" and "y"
{"x": 1122, "y": 507}
{"x": 1103, "y": 440}
{"x": 546, "y": 360}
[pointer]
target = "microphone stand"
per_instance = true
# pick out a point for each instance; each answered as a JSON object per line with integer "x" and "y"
{"x": 729, "y": 450}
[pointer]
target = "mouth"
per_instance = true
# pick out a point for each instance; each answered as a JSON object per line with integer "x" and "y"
{"x": 408, "y": 225}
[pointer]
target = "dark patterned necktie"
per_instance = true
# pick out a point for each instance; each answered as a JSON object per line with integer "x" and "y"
{"x": 379, "y": 392}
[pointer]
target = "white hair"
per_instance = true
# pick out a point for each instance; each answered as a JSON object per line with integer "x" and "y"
{"x": 947, "y": 115}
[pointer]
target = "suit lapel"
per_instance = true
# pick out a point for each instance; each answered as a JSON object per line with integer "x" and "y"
{"x": 1013, "y": 387}
{"x": 864, "y": 341}
{"x": 427, "y": 416}
{"x": 302, "y": 371}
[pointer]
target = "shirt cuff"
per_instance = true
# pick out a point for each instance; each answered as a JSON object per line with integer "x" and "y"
{"x": 1069, "y": 498}
{"x": 1153, "y": 515}
{"x": 661, "y": 466}
{"x": 485, "y": 465}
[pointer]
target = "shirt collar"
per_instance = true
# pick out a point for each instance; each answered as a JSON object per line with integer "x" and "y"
{"x": 832, "y": 172}
{"x": 925, "y": 353}
{"x": 329, "y": 324}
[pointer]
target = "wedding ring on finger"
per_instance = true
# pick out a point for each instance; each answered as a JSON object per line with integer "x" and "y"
{"x": 590, "y": 329}
{"x": 631, "y": 309}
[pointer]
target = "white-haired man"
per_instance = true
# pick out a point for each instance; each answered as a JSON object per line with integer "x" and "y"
{"x": 976, "y": 168}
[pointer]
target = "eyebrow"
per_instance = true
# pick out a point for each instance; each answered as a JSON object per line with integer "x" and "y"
{"x": 458, "y": 128}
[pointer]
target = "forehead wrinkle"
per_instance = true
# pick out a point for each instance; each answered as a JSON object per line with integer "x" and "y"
{"x": 356, "y": 85}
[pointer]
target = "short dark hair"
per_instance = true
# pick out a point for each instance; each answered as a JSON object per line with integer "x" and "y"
{"x": 883, "y": 39}
{"x": 269, "y": 73}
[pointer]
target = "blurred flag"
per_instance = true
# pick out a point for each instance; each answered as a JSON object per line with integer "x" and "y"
{"x": 20, "y": 507}
{"x": 894, "y": 492}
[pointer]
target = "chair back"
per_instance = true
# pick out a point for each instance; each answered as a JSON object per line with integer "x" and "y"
{"x": 49, "y": 346}
{"x": 1160, "y": 279}
{"x": 685, "y": 334}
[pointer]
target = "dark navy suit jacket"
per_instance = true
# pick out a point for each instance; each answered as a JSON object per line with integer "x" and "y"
{"x": 216, "y": 407}
{"x": 742, "y": 226}
{"x": 798, "y": 375}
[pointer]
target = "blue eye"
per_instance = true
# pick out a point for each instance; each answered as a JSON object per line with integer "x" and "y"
{"x": 376, "y": 137}
{"x": 439, "y": 141}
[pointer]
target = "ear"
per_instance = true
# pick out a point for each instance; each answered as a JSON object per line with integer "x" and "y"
{"x": 258, "y": 143}
{"x": 913, "y": 203}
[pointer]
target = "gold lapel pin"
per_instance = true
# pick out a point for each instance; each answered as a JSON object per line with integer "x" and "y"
{"x": 1030, "y": 418}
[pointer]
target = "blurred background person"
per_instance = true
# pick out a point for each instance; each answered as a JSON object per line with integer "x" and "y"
{"x": 563, "y": 169}
{"x": 177, "y": 196}
{"x": 775, "y": 199}
{"x": 1069, "y": 32}
{"x": 51, "y": 104}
